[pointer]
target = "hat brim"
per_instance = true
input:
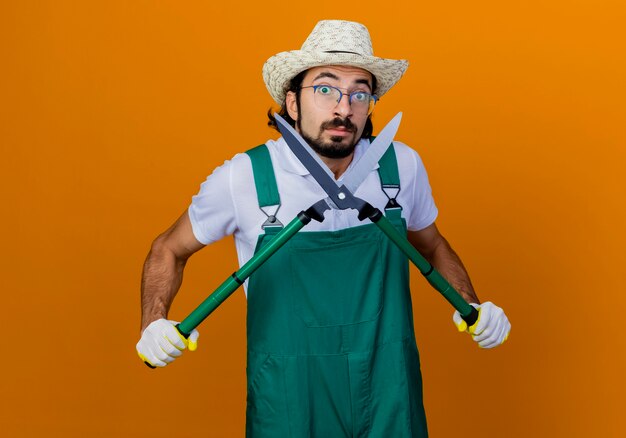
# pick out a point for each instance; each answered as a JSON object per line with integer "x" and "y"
{"x": 281, "y": 68}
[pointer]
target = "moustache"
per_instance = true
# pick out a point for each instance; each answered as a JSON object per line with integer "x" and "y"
{"x": 339, "y": 122}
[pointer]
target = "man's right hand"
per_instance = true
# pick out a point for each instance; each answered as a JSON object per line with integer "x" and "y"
{"x": 161, "y": 343}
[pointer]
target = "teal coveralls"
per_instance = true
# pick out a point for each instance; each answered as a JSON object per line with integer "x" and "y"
{"x": 331, "y": 345}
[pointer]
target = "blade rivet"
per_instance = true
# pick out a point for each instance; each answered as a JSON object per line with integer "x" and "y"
{"x": 341, "y": 195}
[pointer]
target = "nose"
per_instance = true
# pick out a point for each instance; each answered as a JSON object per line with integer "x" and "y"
{"x": 343, "y": 107}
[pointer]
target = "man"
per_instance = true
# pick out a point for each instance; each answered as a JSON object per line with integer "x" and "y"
{"x": 331, "y": 347}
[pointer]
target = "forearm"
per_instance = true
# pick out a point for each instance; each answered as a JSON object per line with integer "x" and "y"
{"x": 492, "y": 328}
{"x": 161, "y": 279}
{"x": 448, "y": 263}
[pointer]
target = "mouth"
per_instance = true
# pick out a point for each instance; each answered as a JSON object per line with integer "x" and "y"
{"x": 339, "y": 131}
{"x": 339, "y": 127}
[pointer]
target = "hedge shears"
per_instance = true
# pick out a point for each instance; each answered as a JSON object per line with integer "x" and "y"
{"x": 339, "y": 197}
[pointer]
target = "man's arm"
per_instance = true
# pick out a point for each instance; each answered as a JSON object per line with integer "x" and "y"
{"x": 435, "y": 248}
{"x": 163, "y": 269}
{"x": 492, "y": 327}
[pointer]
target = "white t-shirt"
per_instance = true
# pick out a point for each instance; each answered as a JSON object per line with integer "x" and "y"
{"x": 227, "y": 202}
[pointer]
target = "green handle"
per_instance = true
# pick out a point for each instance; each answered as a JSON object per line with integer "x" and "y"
{"x": 233, "y": 282}
{"x": 468, "y": 313}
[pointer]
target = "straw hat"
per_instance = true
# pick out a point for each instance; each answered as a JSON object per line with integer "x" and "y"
{"x": 332, "y": 42}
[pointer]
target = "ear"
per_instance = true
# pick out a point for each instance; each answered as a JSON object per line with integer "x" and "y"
{"x": 291, "y": 105}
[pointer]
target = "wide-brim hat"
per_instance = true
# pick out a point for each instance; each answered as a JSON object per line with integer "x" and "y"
{"x": 332, "y": 42}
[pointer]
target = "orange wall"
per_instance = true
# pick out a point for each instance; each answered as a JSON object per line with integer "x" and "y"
{"x": 114, "y": 112}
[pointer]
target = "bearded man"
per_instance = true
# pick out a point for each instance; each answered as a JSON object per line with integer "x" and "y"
{"x": 331, "y": 344}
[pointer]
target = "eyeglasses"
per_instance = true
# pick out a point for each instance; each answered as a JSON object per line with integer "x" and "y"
{"x": 327, "y": 97}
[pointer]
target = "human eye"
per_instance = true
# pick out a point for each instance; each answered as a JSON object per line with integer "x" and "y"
{"x": 324, "y": 90}
{"x": 360, "y": 96}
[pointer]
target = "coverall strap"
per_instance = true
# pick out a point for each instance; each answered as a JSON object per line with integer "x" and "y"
{"x": 264, "y": 178}
{"x": 388, "y": 168}
{"x": 390, "y": 181}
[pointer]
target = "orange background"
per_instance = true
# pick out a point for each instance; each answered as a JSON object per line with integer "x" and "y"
{"x": 114, "y": 112}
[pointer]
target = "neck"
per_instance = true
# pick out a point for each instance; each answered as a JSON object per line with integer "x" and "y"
{"x": 337, "y": 165}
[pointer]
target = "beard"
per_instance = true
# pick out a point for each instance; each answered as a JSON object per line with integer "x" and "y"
{"x": 333, "y": 148}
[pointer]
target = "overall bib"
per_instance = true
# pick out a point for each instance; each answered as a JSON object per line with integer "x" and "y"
{"x": 331, "y": 345}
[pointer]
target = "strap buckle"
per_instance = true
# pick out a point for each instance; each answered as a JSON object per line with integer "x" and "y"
{"x": 391, "y": 191}
{"x": 272, "y": 220}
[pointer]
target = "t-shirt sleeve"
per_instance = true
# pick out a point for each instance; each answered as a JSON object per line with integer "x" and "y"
{"x": 424, "y": 211}
{"x": 212, "y": 211}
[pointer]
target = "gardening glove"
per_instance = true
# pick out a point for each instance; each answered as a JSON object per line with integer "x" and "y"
{"x": 490, "y": 329}
{"x": 161, "y": 343}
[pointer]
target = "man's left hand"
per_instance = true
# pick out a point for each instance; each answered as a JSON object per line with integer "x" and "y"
{"x": 490, "y": 329}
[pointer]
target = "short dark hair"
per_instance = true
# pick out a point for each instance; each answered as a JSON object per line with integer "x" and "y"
{"x": 295, "y": 85}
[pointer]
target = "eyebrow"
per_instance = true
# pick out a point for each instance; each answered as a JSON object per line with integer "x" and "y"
{"x": 327, "y": 74}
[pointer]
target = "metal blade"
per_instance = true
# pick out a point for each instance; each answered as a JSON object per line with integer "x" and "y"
{"x": 372, "y": 155}
{"x": 284, "y": 127}
{"x": 320, "y": 172}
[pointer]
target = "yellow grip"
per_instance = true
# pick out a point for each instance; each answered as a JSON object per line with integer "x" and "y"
{"x": 191, "y": 345}
{"x": 462, "y": 326}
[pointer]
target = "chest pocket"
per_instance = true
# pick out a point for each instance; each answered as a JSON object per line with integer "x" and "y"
{"x": 336, "y": 277}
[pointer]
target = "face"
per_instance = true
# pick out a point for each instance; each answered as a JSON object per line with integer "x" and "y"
{"x": 333, "y": 132}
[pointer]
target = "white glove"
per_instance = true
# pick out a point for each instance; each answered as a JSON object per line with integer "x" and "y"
{"x": 490, "y": 329}
{"x": 161, "y": 343}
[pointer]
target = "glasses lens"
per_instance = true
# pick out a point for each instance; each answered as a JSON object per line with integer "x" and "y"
{"x": 326, "y": 97}
{"x": 362, "y": 102}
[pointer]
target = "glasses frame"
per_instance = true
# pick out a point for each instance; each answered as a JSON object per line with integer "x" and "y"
{"x": 341, "y": 94}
